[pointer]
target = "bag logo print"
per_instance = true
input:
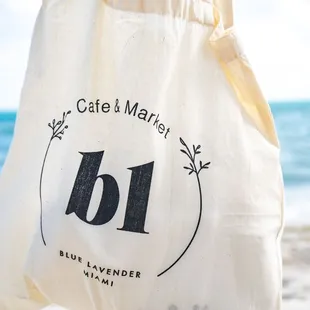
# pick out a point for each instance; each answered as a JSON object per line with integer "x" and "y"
{"x": 192, "y": 169}
{"x": 139, "y": 189}
{"x": 58, "y": 131}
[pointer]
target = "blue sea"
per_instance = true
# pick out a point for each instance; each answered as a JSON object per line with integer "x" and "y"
{"x": 293, "y": 125}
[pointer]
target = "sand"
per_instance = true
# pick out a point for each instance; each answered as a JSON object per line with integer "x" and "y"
{"x": 296, "y": 268}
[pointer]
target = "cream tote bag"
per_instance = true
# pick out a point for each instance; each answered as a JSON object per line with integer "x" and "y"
{"x": 144, "y": 172}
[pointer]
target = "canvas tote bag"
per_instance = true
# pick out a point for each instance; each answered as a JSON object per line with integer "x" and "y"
{"x": 144, "y": 172}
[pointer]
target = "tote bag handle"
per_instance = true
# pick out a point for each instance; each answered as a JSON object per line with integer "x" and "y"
{"x": 225, "y": 7}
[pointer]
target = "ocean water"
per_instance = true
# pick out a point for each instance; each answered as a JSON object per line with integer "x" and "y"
{"x": 293, "y": 126}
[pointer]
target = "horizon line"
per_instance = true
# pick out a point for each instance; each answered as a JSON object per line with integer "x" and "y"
{"x": 270, "y": 102}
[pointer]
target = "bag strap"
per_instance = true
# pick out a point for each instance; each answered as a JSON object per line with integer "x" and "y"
{"x": 225, "y": 8}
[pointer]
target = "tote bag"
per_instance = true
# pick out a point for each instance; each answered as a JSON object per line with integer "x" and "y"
{"x": 144, "y": 172}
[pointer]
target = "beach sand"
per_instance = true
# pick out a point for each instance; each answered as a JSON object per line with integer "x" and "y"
{"x": 296, "y": 268}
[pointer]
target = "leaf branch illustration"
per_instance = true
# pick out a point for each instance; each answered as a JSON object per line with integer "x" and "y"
{"x": 58, "y": 130}
{"x": 59, "y": 127}
{"x": 196, "y": 169}
{"x": 192, "y": 157}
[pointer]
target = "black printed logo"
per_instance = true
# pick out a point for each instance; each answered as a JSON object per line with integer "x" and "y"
{"x": 139, "y": 189}
{"x": 58, "y": 129}
{"x": 137, "y": 201}
{"x": 193, "y": 169}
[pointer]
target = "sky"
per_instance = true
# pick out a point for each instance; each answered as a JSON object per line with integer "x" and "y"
{"x": 275, "y": 35}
